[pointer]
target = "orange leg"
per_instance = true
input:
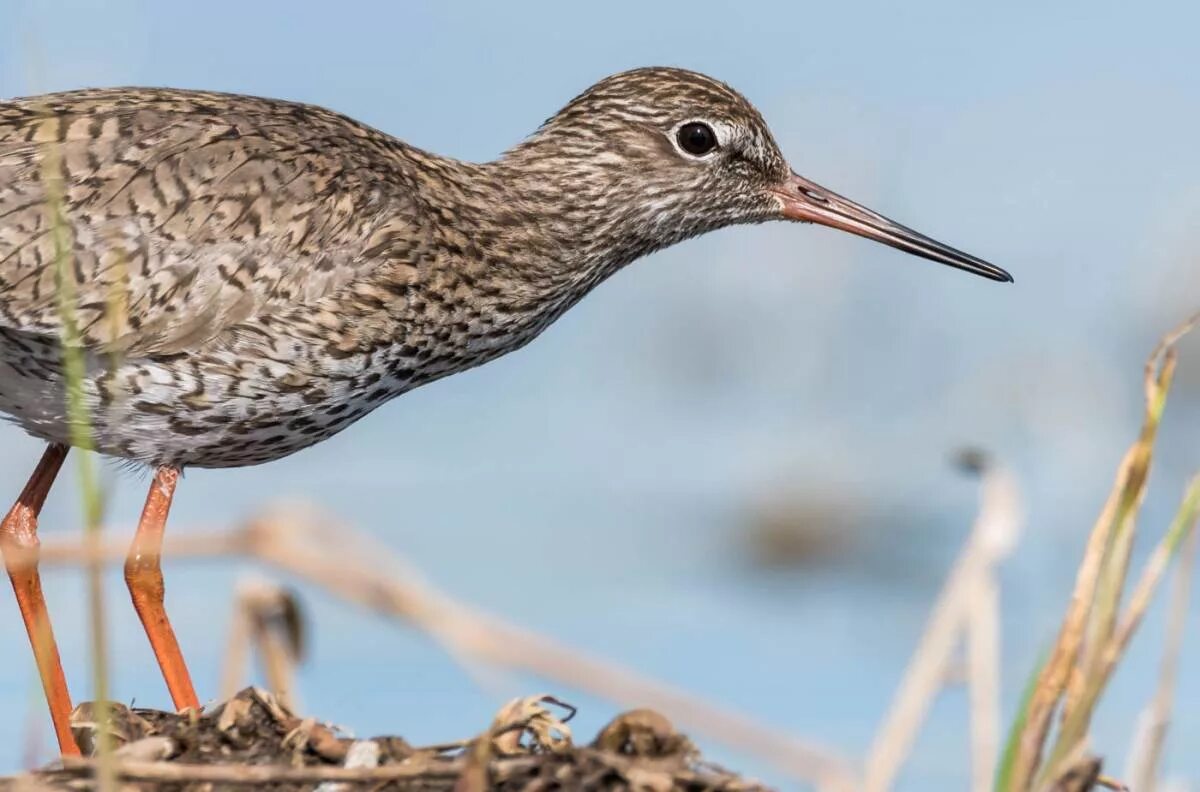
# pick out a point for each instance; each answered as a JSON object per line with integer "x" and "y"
{"x": 143, "y": 574}
{"x": 19, "y": 542}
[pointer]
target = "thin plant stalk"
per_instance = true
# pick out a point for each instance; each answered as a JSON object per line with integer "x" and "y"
{"x": 1182, "y": 527}
{"x": 1074, "y": 727}
{"x": 1055, "y": 672}
{"x": 79, "y": 427}
{"x": 1096, "y": 678}
{"x": 1008, "y": 757}
{"x": 1145, "y": 761}
{"x": 983, "y": 680}
{"x": 1115, "y": 565}
{"x": 266, "y": 618}
{"x": 992, "y": 537}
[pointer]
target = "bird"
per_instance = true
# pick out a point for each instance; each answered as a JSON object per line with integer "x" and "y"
{"x": 239, "y": 278}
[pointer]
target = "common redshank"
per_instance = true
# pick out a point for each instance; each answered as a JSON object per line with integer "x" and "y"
{"x": 249, "y": 276}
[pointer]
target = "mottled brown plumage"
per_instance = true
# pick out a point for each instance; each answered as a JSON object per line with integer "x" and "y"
{"x": 249, "y": 276}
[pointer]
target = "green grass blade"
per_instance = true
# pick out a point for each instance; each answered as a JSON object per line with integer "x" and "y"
{"x": 1008, "y": 758}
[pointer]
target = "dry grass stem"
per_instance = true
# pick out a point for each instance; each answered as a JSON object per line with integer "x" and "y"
{"x": 242, "y": 774}
{"x": 992, "y": 537}
{"x": 1181, "y": 530}
{"x": 267, "y": 621}
{"x": 1152, "y": 733}
{"x": 1160, "y": 370}
{"x": 983, "y": 680}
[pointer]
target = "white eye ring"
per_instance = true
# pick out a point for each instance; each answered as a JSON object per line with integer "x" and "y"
{"x": 688, "y": 138}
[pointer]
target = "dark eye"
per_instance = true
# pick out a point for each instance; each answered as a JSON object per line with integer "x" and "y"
{"x": 696, "y": 139}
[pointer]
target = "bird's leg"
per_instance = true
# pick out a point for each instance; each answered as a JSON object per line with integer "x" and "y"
{"x": 19, "y": 542}
{"x": 143, "y": 574}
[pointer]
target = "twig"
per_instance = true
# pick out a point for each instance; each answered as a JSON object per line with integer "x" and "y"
{"x": 286, "y": 544}
{"x": 179, "y": 772}
{"x": 992, "y": 537}
{"x": 266, "y": 617}
{"x": 237, "y": 652}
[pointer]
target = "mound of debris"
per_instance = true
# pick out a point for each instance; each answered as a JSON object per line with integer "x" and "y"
{"x": 252, "y": 740}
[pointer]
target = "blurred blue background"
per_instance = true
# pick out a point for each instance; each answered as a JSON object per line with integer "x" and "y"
{"x": 606, "y": 485}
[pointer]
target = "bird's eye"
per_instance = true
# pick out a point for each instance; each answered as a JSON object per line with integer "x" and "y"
{"x": 696, "y": 139}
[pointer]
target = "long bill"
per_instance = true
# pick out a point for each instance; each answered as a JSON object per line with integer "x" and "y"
{"x": 808, "y": 202}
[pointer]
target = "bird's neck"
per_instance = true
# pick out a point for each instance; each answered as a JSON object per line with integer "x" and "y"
{"x": 508, "y": 246}
{"x": 554, "y": 226}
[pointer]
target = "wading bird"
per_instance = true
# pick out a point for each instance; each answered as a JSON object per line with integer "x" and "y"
{"x": 244, "y": 277}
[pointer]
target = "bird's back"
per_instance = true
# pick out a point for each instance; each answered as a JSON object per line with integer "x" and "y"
{"x": 175, "y": 214}
{"x": 229, "y": 263}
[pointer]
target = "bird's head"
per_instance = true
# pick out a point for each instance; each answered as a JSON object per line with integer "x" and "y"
{"x": 653, "y": 156}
